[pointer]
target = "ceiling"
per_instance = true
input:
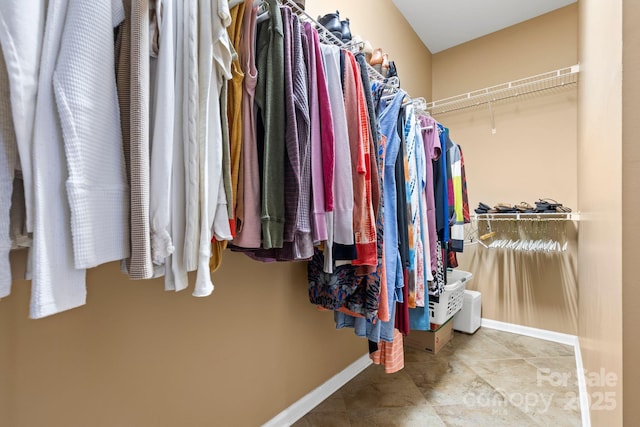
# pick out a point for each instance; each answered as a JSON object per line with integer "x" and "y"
{"x": 442, "y": 24}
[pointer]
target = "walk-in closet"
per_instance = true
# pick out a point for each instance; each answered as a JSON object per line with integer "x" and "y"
{"x": 319, "y": 213}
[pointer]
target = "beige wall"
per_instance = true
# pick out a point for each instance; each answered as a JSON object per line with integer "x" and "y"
{"x": 6, "y": 362}
{"x": 136, "y": 355}
{"x": 630, "y": 208}
{"x": 541, "y": 44}
{"x": 600, "y": 196}
{"x": 380, "y": 22}
{"x": 532, "y": 155}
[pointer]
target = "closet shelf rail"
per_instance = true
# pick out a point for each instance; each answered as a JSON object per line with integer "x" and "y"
{"x": 328, "y": 37}
{"x": 542, "y": 82}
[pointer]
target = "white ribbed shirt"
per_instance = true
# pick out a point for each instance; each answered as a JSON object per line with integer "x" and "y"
{"x": 87, "y": 103}
{"x": 22, "y": 26}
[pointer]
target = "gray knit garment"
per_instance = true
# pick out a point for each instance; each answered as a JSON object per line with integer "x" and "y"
{"x": 133, "y": 93}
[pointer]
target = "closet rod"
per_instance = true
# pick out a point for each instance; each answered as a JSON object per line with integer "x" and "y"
{"x": 329, "y": 37}
{"x": 528, "y": 85}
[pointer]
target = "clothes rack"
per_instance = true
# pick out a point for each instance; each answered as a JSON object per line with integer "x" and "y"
{"x": 263, "y": 10}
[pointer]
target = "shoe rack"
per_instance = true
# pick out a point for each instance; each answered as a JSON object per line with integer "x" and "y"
{"x": 521, "y": 216}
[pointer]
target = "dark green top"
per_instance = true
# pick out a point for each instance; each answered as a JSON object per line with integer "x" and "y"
{"x": 269, "y": 99}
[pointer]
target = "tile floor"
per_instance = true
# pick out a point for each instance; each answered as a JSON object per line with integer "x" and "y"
{"x": 491, "y": 378}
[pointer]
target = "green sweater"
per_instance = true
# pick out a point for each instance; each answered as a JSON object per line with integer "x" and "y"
{"x": 269, "y": 99}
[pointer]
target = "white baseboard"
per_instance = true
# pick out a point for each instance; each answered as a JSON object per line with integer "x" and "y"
{"x": 531, "y": 332}
{"x": 558, "y": 337}
{"x": 582, "y": 386}
{"x": 299, "y": 409}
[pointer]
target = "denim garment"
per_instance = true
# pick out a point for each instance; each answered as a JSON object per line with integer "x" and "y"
{"x": 388, "y": 122}
{"x": 375, "y": 332}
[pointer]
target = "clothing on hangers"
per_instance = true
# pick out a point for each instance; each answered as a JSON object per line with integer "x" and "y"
{"x": 161, "y": 130}
{"x": 8, "y": 165}
{"x": 248, "y": 208}
{"x": 22, "y": 41}
{"x": 255, "y": 132}
{"x": 271, "y": 115}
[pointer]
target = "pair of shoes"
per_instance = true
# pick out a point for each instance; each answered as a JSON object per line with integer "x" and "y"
{"x": 482, "y": 208}
{"x": 505, "y": 208}
{"x": 340, "y": 29}
{"x": 547, "y": 205}
{"x": 331, "y": 21}
{"x": 379, "y": 61}
{"x": 391, "y": 71}
{"x": 346, "y": 31}
{"x": 384, "y": 70}
{"x": 376, "y": 59}
{"x": 525, "y": 207}
{"x": 551, "y": 206}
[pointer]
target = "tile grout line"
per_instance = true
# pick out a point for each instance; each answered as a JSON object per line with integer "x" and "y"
{"x": 498, "y": 343}
{"x": 487, "y": 378}
{"x": 300, "y": 408}
{"x": 496, "y": 388}
{"x": 558, "y": 337}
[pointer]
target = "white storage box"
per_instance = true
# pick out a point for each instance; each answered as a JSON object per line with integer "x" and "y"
{"x": 468, "y": 318}
{"x": 443, "y": 308}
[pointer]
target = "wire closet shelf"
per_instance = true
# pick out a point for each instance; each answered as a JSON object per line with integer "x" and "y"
{"x": 542, "y": 82}
{"x": 559, "y": 216}
{"x": 330, "y": 38}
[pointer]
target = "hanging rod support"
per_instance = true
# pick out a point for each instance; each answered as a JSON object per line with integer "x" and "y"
{"x": 493, "y": 119}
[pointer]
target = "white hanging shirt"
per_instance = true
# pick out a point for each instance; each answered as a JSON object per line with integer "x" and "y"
{"x": 8, "y": 163}
{"x": 87, "y": 104}
{"x": 176, "y": 278}
{"x": 189, "y": 130}
{"x": 214, "y": 66}
{"x": 163, "y": 69}
{"x": 56, "y": 284}
{"x": 22, "y": 26}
